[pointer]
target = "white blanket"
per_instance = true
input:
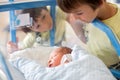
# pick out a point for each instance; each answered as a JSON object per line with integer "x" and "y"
{"x": 86, "y": 67}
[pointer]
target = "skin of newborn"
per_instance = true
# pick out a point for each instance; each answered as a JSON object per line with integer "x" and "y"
{"x": 56, "y": 56}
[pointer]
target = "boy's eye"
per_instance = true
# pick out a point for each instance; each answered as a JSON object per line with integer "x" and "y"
{"x": 79, "y": 13}
{"x": 44, "y": 17}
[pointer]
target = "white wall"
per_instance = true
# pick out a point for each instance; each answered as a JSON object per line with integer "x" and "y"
{"x": 111, "y": 0}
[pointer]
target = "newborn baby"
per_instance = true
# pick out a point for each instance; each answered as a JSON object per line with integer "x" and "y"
{"x": 56, "y": 56}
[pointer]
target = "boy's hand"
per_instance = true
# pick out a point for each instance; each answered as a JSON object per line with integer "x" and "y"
{"x": 11, "y": 47}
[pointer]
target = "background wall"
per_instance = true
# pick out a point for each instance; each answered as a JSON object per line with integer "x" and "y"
{"x": 4, "y": 33}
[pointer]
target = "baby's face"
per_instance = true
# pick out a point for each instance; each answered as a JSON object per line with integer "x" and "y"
{"x": 55, "y": 58}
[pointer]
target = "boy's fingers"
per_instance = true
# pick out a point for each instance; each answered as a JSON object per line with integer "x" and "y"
{"x": 11, "y": 47}
{"x": 17, "y": 39}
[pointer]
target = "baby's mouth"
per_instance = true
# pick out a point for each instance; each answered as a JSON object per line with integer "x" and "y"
{"x": 50, "y": 65}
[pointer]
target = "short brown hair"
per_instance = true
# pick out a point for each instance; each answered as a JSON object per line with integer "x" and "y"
{"x": 34, "y": 13}
{"x": 69, "y": 5}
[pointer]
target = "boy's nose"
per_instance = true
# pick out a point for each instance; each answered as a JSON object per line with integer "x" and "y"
{"x": 34, "y": 25}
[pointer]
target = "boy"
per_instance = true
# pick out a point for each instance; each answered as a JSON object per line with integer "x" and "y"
{"x": 97, "y": 41}
{"x": 39, "y": 32}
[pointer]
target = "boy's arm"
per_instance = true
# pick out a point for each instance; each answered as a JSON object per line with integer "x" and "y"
{"x": 28, "y": 41}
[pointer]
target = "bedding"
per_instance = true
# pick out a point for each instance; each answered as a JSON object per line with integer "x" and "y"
{"x": 84, "y": 67}
{"x": 39, "y": 54}
{"x": 16, "y": 75}
{"x": 2, "y": 75}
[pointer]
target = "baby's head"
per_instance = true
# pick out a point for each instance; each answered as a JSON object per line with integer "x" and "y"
{"x": 56, "y": 56}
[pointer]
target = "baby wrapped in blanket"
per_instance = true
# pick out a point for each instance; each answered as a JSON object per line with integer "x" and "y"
{"x": 82, "y": 66}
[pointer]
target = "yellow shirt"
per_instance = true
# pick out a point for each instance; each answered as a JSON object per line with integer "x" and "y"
{"x": 98, "y": 42}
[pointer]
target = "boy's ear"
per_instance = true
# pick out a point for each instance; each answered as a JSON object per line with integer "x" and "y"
{"x": 102, "y": 2}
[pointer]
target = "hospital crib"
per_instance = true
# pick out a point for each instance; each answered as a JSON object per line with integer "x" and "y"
{"x": 11, "y": 6}
{"x": 113, "y": 40}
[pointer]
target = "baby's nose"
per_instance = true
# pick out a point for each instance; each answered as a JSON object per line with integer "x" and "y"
{"x": 50, "y": 62}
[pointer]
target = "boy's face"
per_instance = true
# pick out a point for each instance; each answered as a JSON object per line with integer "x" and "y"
{"x": 55, "y": 58}
{"x": 84, "y": 13}
{"x": 43, "y": 22}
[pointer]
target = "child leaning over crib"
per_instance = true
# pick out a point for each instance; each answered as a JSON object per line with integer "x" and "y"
{"x": 56, "y": 57}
